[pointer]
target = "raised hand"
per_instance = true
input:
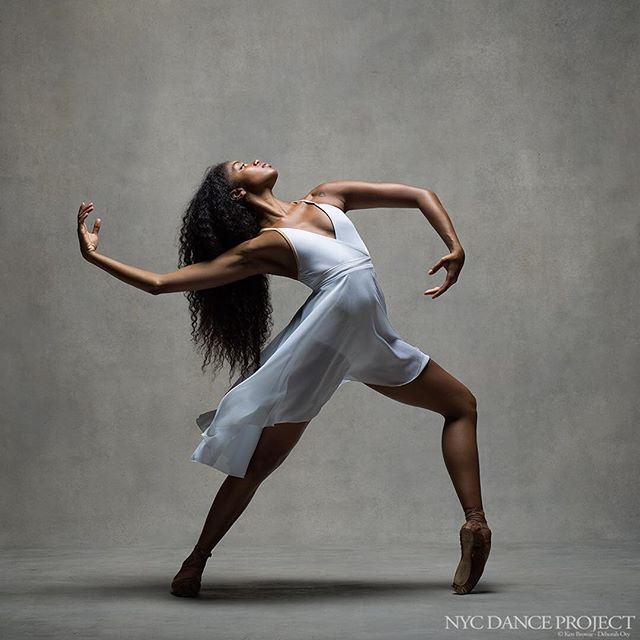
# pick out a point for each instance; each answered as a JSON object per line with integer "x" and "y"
{"x": 452, "y": 262}
{"x": 88, "y": 240}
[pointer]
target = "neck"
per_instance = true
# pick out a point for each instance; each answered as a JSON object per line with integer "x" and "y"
{"x": 272, "y": 209}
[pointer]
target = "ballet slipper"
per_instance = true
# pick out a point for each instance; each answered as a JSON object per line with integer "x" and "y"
{"x": 475, "y": 544}
{"x": 186, "y": 583}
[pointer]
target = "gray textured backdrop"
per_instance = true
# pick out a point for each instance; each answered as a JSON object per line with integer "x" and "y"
{"x": 521, "y": 116}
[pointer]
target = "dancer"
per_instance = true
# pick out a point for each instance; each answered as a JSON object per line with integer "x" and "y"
{"x": 234, "y": 232}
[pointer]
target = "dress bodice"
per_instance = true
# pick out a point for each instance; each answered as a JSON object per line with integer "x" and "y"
{"x": 321, "y": 258}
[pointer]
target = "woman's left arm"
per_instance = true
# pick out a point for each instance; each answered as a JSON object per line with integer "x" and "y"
{"x": 356, "y": 194}
{"x": 146, "y": 280}
{"x": 433, "y": 210}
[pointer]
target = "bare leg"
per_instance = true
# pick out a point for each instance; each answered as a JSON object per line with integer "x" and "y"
{"x": 234, "y": 495}
{"x": 437, "y": 390}
{"x": 460, "y": 453}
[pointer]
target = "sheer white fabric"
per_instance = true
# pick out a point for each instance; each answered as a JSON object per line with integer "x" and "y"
{"x": 341, "y": 333}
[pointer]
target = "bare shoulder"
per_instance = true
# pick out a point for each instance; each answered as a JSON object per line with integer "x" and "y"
{"x": 271, "y": 251}
{"x": 358, "y": 194}
{"x": 326, "y": 192}
{"x": 261, "y": 245}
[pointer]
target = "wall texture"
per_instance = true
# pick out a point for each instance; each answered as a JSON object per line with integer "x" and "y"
{"x": 521, "y": 116}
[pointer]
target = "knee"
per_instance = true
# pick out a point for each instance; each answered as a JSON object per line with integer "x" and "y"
{"x": 471, "y": 404}
{"x": 465, "y": 405}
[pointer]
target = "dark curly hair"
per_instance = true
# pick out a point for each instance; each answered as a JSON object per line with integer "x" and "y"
{"x": 230, "y": 322}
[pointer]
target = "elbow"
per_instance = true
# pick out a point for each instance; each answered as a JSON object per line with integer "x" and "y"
{"x": 156, "y": 287}
{"x": 425, "y": 197}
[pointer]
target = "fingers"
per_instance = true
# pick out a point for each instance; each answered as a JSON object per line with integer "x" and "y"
{"x": 452, "y": 275}
{"x": 441, "y": 263}
{"x": 84, "y": 206}
{"x": 436, "y": 266}
{"x": 438, "y": 291}
{"x": 84, "y": 211}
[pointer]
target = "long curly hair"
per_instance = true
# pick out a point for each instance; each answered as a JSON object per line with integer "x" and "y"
{"x": 230, "y": 322}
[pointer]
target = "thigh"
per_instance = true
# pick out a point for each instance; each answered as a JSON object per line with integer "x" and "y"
{"x": 434, "y": 389}
{"x": 273, "y": 447}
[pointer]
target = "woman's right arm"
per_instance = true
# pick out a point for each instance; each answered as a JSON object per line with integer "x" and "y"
{"x": 249, "y": 258}
{"x": 242, "y": 261}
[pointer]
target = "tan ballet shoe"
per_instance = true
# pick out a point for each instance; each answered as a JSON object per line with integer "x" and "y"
{"x": 186, "y": 583}
{"x": 475, "y": 544}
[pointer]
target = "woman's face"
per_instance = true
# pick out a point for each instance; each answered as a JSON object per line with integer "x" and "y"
{"x": 253, "y": 177}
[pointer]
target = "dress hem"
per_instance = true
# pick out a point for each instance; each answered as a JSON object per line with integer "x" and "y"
{"x": 423, "y": 366}
{"x": 226, "y": 471}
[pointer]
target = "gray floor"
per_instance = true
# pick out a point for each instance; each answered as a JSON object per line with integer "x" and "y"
{"x": 299, "y": 593}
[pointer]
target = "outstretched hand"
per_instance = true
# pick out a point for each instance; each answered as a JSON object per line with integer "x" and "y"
{"x": 88, "y": 240}
{"x": 452, "y": 262}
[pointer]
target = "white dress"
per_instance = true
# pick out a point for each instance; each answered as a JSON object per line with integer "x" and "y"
{"x": 341, "y": 333}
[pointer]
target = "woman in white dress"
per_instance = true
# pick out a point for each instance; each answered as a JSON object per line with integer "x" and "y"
{"x": 234, "y": 232}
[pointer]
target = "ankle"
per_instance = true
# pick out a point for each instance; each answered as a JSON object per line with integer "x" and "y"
{"x": 202, "y": 551}
{"x": 475, "y": 514}
{"x": 197, "y": 559}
